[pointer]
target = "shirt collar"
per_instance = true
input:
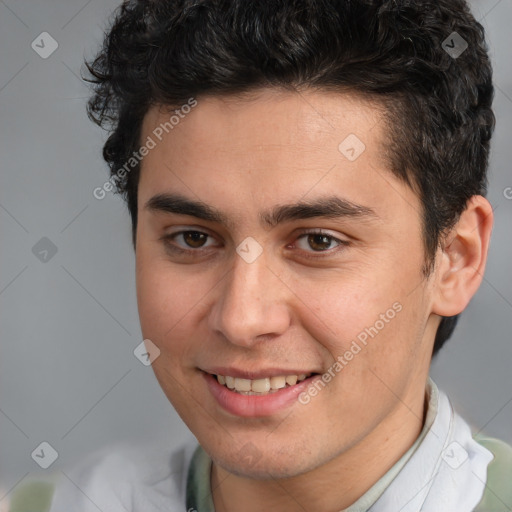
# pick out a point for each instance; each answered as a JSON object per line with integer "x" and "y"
{"x": 423, "y": 477}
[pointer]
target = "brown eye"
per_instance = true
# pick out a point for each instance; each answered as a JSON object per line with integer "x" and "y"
{"x": 319, "y": 242}
{"x": 190, "y": 240}
{"x": 194, "y": 239}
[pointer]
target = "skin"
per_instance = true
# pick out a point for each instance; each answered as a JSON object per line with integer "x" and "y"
{"x": 212, "y": 308}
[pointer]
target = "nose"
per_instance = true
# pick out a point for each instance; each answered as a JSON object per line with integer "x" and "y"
{"x": 252, "y": 304}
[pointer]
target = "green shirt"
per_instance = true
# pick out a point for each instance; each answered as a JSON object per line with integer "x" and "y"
{"x": 36, "y": 496}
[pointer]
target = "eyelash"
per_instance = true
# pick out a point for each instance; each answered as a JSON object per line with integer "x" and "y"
{"x": 167, "y": 239}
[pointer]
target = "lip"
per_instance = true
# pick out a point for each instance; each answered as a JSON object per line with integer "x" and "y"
{"x": 253, "y": 375}
{"x": 252, "y": 406}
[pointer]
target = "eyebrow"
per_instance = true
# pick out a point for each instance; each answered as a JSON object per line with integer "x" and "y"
{"x": 327, "y": 207}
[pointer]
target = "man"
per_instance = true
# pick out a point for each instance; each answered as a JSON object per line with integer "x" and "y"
{"x": 306, "y": 183}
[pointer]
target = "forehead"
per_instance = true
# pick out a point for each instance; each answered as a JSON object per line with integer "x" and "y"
{"x": 271, "y": 144}
{"x": 274, "y": 118}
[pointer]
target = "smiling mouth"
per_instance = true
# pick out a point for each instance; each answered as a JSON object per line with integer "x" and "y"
{"x": 262, "y": 386}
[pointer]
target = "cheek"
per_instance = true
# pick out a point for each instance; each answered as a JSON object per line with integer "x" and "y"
{"x": 169, "y": 298}
{"x": 369, "y": 316}
{"x": 337, "y": 307}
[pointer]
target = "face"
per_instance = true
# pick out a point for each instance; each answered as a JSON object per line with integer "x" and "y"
{"x": 235, "y": 279}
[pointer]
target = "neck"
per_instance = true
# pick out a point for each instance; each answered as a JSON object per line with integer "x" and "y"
{"x": 335, "y": 485}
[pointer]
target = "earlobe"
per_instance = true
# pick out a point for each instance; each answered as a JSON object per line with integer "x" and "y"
{"x": 463, "y": 258}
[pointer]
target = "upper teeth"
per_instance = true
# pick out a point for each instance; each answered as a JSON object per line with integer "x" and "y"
{"x": 259, "y": 385}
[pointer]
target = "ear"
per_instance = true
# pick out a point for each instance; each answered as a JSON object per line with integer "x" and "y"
{"x": 463, "y": 258}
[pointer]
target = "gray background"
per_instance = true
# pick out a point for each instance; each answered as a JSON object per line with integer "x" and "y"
{"x": 69, "y": 325}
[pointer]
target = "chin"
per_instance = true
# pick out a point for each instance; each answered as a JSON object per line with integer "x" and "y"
{"x": 262, "y": 466}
